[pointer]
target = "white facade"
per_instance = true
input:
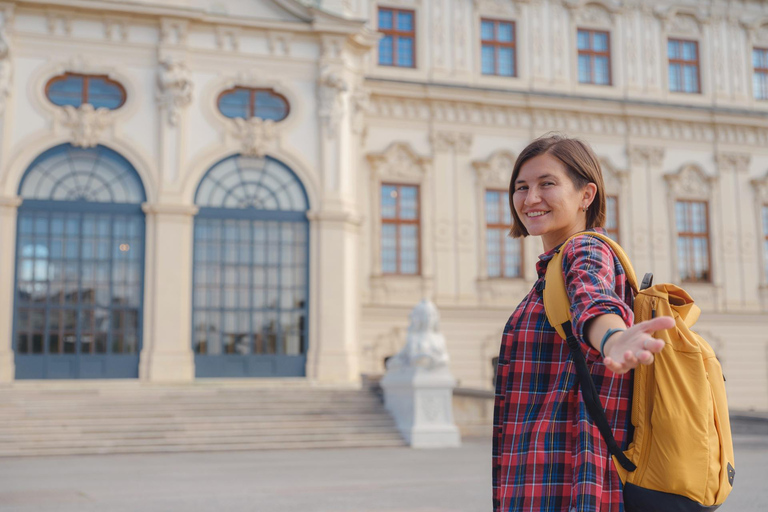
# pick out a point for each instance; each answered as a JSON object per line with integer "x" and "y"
{"x": 441, "y": 125}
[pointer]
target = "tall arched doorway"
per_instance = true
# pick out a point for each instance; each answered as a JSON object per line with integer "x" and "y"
{"x": 251, "y": 270}
{"x": 79, "y": 266}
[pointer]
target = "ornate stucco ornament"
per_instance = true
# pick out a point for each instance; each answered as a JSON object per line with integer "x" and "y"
{"x": 6, "y": 69}
{"x": 86, "y": 124}
{"x": 174, "y": 88}
{"x": 331, "y": 87}
{"x": 255, "y": 134}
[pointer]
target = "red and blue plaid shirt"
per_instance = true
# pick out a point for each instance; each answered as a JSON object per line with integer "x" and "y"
{"x": 548, "y": 455}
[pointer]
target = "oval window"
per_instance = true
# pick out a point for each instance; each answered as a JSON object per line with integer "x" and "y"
{"x": 76, "y": 89}
{"x": 246, "y": 102}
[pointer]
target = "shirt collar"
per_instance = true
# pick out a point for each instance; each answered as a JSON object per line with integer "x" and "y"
{"x": 541, "y": 265}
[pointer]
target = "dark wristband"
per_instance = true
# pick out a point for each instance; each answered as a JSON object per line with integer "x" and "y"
{"x": 608, "y": 334}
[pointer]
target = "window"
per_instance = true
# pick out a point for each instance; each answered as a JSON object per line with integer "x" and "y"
{"x": 693, "y": 240}
{"x": 594, "y": 57}
{"x": 683, "y": 66}
{"x": 503, "y": 253}
{"x": 246, "y": 102}
{"x": 765, "y": 241}
{"x": 612, "y": 217}
{"x": 71, "y": 89}
{"x": 398, "y": 45}
{"x": 760, "y": 76}
{"x": 400, "y": 229}
{"x": 498, "y": 48}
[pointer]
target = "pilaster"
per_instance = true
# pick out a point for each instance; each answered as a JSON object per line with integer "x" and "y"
{"x": 8, "y": 209}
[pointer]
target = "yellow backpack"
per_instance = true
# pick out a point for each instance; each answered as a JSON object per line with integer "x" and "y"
{"x": 680, "y": 457}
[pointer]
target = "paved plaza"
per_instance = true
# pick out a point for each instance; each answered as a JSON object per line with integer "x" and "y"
{"x": 357, "y": 480}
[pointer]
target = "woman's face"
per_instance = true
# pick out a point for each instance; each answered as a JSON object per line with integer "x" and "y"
{"x": 547, "y": 201}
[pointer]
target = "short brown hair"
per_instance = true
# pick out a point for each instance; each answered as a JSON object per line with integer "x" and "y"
{"x": 583, "y": 168}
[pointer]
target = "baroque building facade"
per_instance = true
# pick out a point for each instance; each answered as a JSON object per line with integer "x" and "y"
{"x": 265, "y": 188}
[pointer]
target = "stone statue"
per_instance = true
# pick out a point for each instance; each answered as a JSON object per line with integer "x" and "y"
{"x": 424, "y": 345}
{"x": 175, "y": 87}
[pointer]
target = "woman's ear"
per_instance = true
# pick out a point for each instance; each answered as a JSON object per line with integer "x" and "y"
{"x": 589, "y": 192}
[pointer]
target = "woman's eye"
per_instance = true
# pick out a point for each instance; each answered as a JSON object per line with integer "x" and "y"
{"x": 521, "y": 187}
{"x": 548, "y": 183}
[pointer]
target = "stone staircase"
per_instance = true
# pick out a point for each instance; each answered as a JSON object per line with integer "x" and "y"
{"x": 98, "y": 417}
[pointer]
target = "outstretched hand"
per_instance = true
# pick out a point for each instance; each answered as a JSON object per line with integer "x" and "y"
{"x": 627, "y": 349}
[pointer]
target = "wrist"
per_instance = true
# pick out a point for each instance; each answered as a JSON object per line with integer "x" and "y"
{"x": 610, "y": 333}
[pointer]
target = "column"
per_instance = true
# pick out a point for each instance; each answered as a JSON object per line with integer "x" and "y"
{"x": 8, "y": 210}
{"x": 166, "y": 354}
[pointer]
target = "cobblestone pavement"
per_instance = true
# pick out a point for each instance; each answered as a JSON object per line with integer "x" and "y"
{"x": 359, "y": 480}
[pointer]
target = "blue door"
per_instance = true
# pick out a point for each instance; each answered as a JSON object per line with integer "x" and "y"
{"x": 250, "y": 271}
{"x": 79, "y": 266}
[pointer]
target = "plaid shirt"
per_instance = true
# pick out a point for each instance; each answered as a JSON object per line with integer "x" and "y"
{"x": 548, "y": 455}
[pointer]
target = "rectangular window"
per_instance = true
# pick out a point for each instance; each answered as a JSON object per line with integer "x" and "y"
{"x": 760, "y": 76}
{"x": 397, "y": 47}
{"x": 498, "y": 53}
{"x": 400, "y": 229}
{"x": 683, "y": 66}
{"x": 594, "y": 57}
{"x": 693, "y": 241}
{"x": 503, "y": 254}
{"x": 612, "y": 217}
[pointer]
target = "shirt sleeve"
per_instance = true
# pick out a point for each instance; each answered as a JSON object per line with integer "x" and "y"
{"x": 595, "y": 283}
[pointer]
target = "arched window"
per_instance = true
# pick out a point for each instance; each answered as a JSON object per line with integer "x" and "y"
{"x": 247, "y": 102}
{"x": 250, "y": 270}
{"x": 79, "y": 266}
{"x": 76, "y": 89}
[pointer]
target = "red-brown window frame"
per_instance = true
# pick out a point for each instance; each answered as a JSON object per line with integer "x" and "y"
{"x": 396, "y": 34}
{"x": 691, "y": 235}
{"x": 684, "y": 63}
{"x": 397, "y": 222}
{"x": 592, "y": 54}
{"x": 499, "y": 44}
{"x": 503, "y": 203}
{"x": 252, "y": 99}
{"x": 86, "y": 77}
{"x": 762, "y": 71}
{"x": 617, "y": 231}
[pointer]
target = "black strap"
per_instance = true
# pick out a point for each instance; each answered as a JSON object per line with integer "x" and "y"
{"x": 592, "y": 399}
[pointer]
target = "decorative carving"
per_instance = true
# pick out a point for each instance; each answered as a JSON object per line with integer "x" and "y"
{"x": 174, "y": 88}
{"x": 505, "y": 8}
{"x": 6, "y": 69}
{"x": 761, "y": 35}
{"x": 255, "y": 134}
{"x": 685, "y": 25}
{"x": 424, "y": 344}
{"x": 115, "y": 30}
{"x": 761, "y": 188}
{"x": 496, "y": 171}
{"x": 227, "y": 38}
{"x": 86, "y": 124}
{"x": 361, "y": 105}
{"x": 331, "y": 88}
{"x": 593, "y": 14}
{"x": 645, "y": 156}
{"x": 54, "y": 20}
{"x": 399, "y": 161}
{"x": 279, "y": 43}
{"x": 736, "y": 162}
{"x": 690, "y": 182}
{"x": 173, "y": 32}
{"x": 448, "y": 141}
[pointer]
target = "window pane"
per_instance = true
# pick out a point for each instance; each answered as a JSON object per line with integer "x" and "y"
{"x": 389, "y": 248}
{"x": 102, "y": 93}
{"x": 235, "y": 104}
{"x": 388, "y": 202}
{"x": 488, "y": 63}
{"x": 385, "y": 51}
{"x": 385, "y": 19}
{"x": 765, "y": 220}
{"x": 600, "y": 42}
{"x": 492, "y": 214}
{"x": 68, "y": 91}
{"x": 405, "y": 21}
{"x": 756, "y": 58}
{"x": 493, "y": 252}
{"x": 611, "y": 221}
{"x": 601, "y": 71}
{"x": 691, "y": 79}
{"x": 674, "y": 77}
{"x": 681, "y": 215}
{"x": 506, "y": 61}
{"x": 585, "y": 75}
{"x": 405, "y": 52}
{"x": 270, "y": 106}
{"x": 506, "y": 33}
{"x": 511, "y": 256}
{"x": 690, "y": 51}
{"x": 408, "y": 249}
{"x": 486, "y": 30}
{"x": 582, "y": 40}
{"x": 682, "y": 258}
{"x": 673, "y": 50}
{"x": 408, "y": 203}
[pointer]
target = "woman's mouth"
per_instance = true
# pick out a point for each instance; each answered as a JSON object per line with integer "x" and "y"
{"x": 536, "y": 214}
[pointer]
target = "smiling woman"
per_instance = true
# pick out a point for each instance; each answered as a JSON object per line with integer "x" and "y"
{"x": 548, "y": 454}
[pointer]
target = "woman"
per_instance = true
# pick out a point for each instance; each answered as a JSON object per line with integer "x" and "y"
{"x": 548, "y": 455}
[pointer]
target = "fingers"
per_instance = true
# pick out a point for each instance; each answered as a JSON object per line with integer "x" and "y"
{"x": 656, "y": 324}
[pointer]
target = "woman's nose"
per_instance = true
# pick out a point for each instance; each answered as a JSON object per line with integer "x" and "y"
{"x": 532, "y": 197}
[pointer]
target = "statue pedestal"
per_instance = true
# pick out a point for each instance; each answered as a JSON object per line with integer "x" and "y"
{"x": 421, "y": 401}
